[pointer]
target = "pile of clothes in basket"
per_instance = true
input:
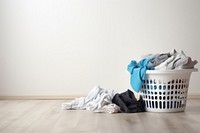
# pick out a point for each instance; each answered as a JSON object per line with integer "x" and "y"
{"x": 164, "y": 61}
{"x": 109, "y": 101}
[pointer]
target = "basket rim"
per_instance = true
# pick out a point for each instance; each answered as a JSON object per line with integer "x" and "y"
{"x": 172, "y": 71}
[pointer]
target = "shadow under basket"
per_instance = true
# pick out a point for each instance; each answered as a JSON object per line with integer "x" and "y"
{"x": 166, "y": 90}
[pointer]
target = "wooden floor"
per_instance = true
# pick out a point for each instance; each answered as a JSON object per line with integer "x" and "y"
{"x": 45, "y": 116}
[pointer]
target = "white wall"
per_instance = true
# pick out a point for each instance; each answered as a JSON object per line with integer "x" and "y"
{"x": 66, "y": 47}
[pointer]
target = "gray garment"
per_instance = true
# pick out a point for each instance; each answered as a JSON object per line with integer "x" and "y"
{"x": 180, "y": 59}
{"x": 149, "y": 56}
{"x": 176, "y": 61}
{"x": 159, "y": 59}
{"x": 190, "y": 64}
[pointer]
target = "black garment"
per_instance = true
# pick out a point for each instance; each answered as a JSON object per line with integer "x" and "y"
{"x": 128, "y": 103}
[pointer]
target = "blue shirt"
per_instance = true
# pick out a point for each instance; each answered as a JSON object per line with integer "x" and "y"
{"x": 138, "y": 72}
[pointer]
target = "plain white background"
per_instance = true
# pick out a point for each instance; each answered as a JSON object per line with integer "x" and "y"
{"x": 66, "y": 47}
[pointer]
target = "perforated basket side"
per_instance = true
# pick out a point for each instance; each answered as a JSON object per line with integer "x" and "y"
{"x": 166, "y": 91}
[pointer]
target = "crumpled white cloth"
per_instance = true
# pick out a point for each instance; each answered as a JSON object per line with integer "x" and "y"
{"x": 110, "y": 108}
{"x": 164, "y": 65}
{"x": 96, "y": 99}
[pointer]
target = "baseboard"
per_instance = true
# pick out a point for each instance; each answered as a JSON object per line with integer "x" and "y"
{"x": 194, "y": 95}
{"x": 71, "y": 97}
{"x": 68, "y": 97}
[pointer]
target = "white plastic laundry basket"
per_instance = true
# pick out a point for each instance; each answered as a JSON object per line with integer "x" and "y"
{"x": 166, "y": 90}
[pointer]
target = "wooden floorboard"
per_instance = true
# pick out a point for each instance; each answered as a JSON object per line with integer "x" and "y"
{"x": 45, "y": 116}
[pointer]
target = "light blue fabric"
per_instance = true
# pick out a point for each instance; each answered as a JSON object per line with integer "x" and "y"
{"x": 138, "y": 72}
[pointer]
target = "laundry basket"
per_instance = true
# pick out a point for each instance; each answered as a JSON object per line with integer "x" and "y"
{"x": 166, "y": 90}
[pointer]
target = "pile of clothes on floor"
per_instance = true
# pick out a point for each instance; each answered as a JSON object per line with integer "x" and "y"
{"x": 109, "y": 101}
